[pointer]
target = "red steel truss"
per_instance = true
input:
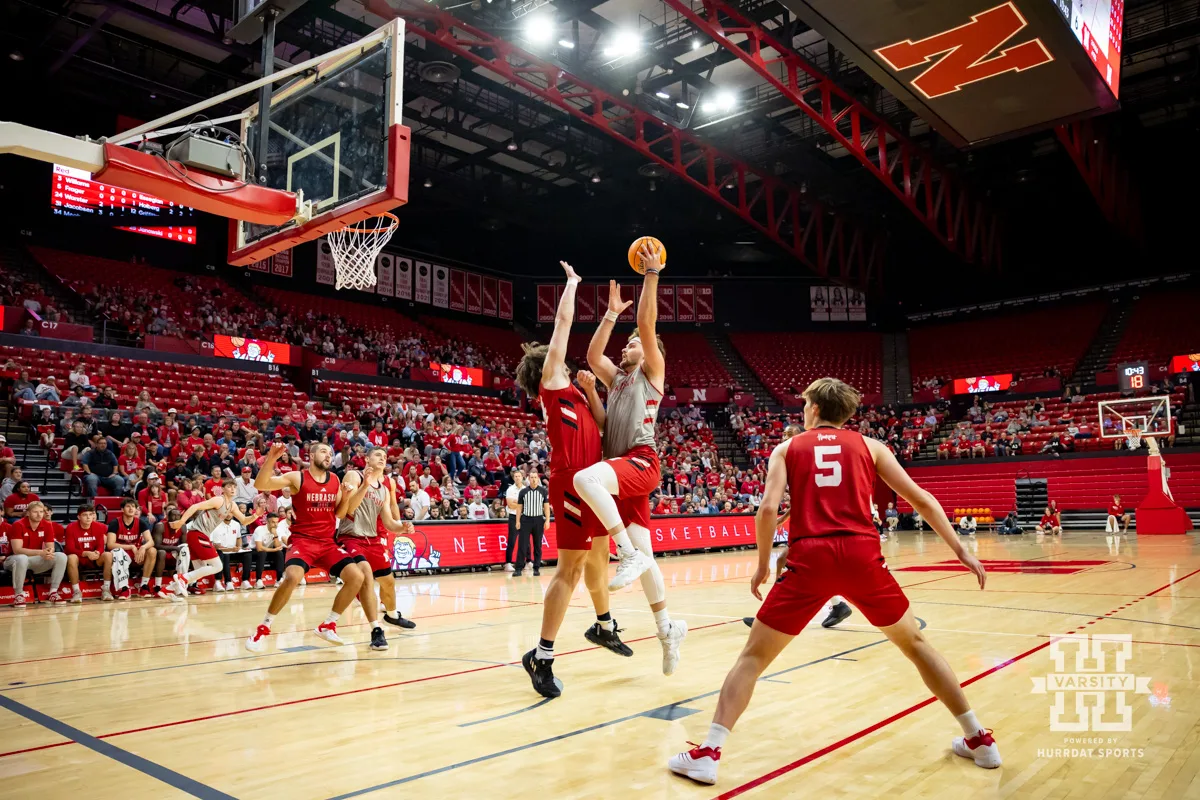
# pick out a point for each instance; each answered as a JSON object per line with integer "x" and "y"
{"x": 961, "y": 221}
{"x": 1101, "y": 167}
{"x": 823, "y": 240}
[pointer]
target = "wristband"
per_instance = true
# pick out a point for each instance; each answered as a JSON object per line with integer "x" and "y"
{"x": 611, "y": 316}
{"x": 652, "y": 272}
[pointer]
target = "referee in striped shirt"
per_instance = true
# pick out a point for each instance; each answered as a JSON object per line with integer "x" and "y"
{"x": 533, "y": 515}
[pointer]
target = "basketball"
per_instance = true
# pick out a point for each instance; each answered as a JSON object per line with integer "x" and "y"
{"x": 635, "y": 260}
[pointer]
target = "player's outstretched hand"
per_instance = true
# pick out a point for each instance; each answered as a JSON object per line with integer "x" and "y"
{"x": 572, "y": 275}
{"x": 586, "y": 379}
{"x": 972, "y": 563}
{"x": 176, "y": 525}
{"x": 615, "y": 303}
{"x": 651, "y": 258}
{"x": 760, "y": 577}
{"x": 277, "y": 449}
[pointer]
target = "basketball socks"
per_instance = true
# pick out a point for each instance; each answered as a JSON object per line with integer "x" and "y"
{"x": 605, "y": 621}
{"x": 392, "y": 613}
{"x": 332, "y": 618}
{"x": 545, "y": 650}
{"x": 268, "y": 619}
{"x": 145, "y": 581}
{"x": 624, "y": 543}
{"x": 969, "y": 723}
{"x": 663, "y": 620}
{"x": 717, "y": 734}
{"x": 75, "y": 590}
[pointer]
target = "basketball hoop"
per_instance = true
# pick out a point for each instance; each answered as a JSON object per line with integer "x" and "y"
{"x": 1133, "y": 440}
{"x": 355, "y": 247}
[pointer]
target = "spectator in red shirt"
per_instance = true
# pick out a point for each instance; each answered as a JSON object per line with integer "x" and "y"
{"x": 1050, "y": 522}
{"x": 32, "y": 542}
{"x": 153, "y": 502}
{"x": 86, "y": 546}
{"x": 192, "y": 406}
{"x": 8, "y": 459}
{"x": 131, "y": 465}
{"x": 1117, "y": 514}
{"x": 493, "y": 465}
{"x": 17, "y": 503}
{"x": 377, "y": 437}
{"x": 287, "y": 430}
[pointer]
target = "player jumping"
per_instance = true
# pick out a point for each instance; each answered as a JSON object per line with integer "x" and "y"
{"x": 582, "y": 540}
{"x": 618, "y": 489}
{"x": 830, "y": 473}
{"x": 209, "y": 517}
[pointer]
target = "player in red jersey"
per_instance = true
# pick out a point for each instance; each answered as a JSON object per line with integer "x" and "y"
{"x": 618, "y": 488}
{"x": 830, "y": 473}
{"x": 127, "y": 533}
{"x": 316, "y": 493}
{"x": 86, "y": 539}
{"x": 574, "y": 445}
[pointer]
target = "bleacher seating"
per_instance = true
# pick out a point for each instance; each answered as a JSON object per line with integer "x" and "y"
{"x": 787, "y": 362}
{"x": 691, "y": 360}
{"x": 486, "y": 407}
{"x": 1025, "y": 343}
{"x": 1160, "y": 326}
{"x": 503, "y": 341}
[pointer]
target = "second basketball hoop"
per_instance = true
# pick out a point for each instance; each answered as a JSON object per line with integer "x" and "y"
{"x": 355, "y": 247}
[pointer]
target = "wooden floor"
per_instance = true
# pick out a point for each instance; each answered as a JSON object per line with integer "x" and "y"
{"x": 151, "y": 699}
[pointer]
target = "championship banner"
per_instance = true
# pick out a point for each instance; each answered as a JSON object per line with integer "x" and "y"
{"x": 326, "y": 272}
{"x": 458, "y": 290}
{"x": 704, "y": 303}
{"x": 858, "y": 305}
{"x": 629, "y": 293}
{"x": 404, "y": 270}
{"x": 260, "y": 266}
{"x": 505, "y": 296}
{"x": 666, "y": 303}
{"x": 441, "y": 286}
{"x": 489, "y": 296}
{"x": 385, "y": 274}
{"x": 423, "y": 281}
{"x": 685, "y": 303}
{"x": 585, "y": 302}
{"x": 281, "y": 264}
{"x": 818, "y": 301}
{"x": 837, "y": 304}
{"x": 474, "y": 292}
{"x": 546, "y": 302}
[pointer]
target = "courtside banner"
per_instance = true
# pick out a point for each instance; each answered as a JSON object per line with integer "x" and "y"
{"x": 435, "y": 545}
{"x": 242, "y": 349}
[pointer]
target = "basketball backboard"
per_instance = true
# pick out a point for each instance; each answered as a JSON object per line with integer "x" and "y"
{"x": 1145, "y": 417}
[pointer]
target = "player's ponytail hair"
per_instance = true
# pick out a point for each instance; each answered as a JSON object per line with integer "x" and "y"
{"x": 529, "y": 370}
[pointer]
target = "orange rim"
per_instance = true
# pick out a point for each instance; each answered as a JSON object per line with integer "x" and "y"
{"x": 393, "y": 223}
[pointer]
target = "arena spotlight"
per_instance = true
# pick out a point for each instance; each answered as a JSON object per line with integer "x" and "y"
{"x": 662, "y": 95}
{"x": 681, "y": 104}
{"x": 428, "y": 183}
{"x": 623, "y": 43}
{"x": 695, "y": 42}
{"x": 596, "y": 178}
{"x": 539, "y": 29}
{"x": 725, "y": 100}
{"x": 513, "y": 145}
{"x": 566, "y": 43}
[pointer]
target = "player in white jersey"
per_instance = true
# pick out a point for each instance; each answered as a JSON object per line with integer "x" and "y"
{"x": 371, "y": 502}
{"x": 618, "y": 488}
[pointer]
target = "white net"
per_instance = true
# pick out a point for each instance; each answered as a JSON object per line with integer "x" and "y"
{"x": 355, "y": 247}
{"x": 1133, "y": 439}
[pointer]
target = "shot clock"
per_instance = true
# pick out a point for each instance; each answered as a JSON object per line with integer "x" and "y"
{"x": 1133, "y": 376}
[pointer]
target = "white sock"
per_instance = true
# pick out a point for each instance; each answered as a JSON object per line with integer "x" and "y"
{"x": 76, "y": 590}
{"x": 268, "y": 619}
{"x": 145, "y": 581}
{"x": 663, "y": 620}
{"x": 608, "y": 624}
{"x": 716, "y": 736}
{"x": 545, "y": 653}
{"x": 332, "y": 618}
{"x": 970, "y": 725}
{"x": 376, "y": 624}
{"x": 625, "y": 547}
{"x": 391, "y": 612}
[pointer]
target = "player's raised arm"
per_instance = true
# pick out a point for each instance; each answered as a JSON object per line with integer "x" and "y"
{"x": 767, "y": 518}
{"x": 653, "y": 363}
{"x": 602, "y": 365}
{"x": 894, "y": 476}
{"x": 354, "y": 488}
{"x": 554, "y": 373}
{"x": 588, "y": 381}
{"x": 211, "y": 504}
{"x": 267, "y": 481}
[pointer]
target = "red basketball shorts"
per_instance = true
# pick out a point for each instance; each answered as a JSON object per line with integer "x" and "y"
{"x": 320, "y": 553}
{"x": 638, "y": 475}
{"x": 819, "y": 567}
{"x": 200, "y": 547}
{"x": 374, "y": 551}
{"x": 575, "y": 524}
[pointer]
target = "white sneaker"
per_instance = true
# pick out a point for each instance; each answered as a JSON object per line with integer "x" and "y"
{"x": 259, "y": 584}
{"x": 981, "y": 748}
{"x": 106, "y": 594}
{"x": 670, "y": 645}
{"x": 328, "y": 632}
{"x": 629, "y": 569}
{"x": 218, "y": 587}
{"x": 508, "y": 567}
{"x": 304, "y": 581}
{"x": 178, "y": 589}
{"x": 257, "y": 641}
{"x": 699, "y": 764}
{"x": 246, "y": 586}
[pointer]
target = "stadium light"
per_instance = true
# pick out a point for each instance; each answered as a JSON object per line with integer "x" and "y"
{"x": 623, "y": 43}
{"x": 539, "y": 29}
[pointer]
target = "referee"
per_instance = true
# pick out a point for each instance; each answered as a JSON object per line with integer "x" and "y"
{"x": 510, "y": 500}
{"x": 533, "y": 515}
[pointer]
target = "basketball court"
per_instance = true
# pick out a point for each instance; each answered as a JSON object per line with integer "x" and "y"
{"x": 150, "y": 698}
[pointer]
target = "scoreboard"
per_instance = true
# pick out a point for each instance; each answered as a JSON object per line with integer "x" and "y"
{"x": 1133, "y": 376}
{"x": 74, "y": 194}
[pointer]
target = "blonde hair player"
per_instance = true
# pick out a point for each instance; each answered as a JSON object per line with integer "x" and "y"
{"x": 208, "y": 519}
{"x": 574, "y": 445}
{"x": 618, "y": 488}
{"x": 367, "y": 505}
{"x": 830, "y": 473}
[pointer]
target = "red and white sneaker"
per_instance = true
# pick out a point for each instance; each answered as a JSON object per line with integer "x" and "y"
{"x": 328, "y": 632}
{"x": 981, "y": 748}
{"x": 55, "y": 598}
{"x": 145, "y": 591}
{"x": 257, "y": 640}
{"x": 699, "y": 763}
{"x": 19, "y": 600}
{"x": 177, "y": 589}
{"x": 124, "y": 594}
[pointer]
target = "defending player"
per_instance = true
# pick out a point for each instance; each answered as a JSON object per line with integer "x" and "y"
{"x": 208, "y": 518}
{"x": 316, "y": 493}
{"x": 618, "y": 489}
{"x": 365, "y": 511}
{"x": 830, "y": 473}
{"x": 582, "y": 541}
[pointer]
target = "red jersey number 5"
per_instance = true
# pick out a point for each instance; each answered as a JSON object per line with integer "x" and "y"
{"x": 829, "y": 472}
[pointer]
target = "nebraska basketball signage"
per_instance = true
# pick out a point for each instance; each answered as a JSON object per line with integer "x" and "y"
{"x": 979, "y": 69}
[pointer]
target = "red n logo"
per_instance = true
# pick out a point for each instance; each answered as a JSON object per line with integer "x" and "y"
{"x": 967, "y": 49}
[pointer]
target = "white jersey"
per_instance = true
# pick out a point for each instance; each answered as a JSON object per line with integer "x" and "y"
{"x": 363, "y": 523}
{"x": 632, "y": 411}
{"x": 207, "y": 521}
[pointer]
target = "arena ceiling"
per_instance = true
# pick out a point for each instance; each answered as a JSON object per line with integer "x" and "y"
{"x": 516, "y": 174}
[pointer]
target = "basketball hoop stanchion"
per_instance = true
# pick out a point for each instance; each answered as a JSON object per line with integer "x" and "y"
{"x": 1138, "y": 420}
{"x": 355, "y": 247}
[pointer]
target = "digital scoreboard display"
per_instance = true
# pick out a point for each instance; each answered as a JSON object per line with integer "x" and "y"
{"x": 74, "y": 194}
{"x": 1133, "y": 376}
{"x": 1098, "y": 25}
{"x": 983, "y": 383}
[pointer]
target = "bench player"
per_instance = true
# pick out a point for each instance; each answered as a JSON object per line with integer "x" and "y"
{"x": 86, "y": 547}
{"x": 618, "y": 488}
{"x": 316, "y": 493}
{"x": 366, "y": 515}
{"x": 127, "y": 533}
{"x": 582, "y": 540}
{"x": 830, "y": 473}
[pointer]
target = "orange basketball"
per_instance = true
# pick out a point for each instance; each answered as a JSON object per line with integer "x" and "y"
{"x": 635, "y": 260}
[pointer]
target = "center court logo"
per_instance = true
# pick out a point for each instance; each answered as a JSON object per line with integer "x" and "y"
{"x": 1088, "y": 680}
